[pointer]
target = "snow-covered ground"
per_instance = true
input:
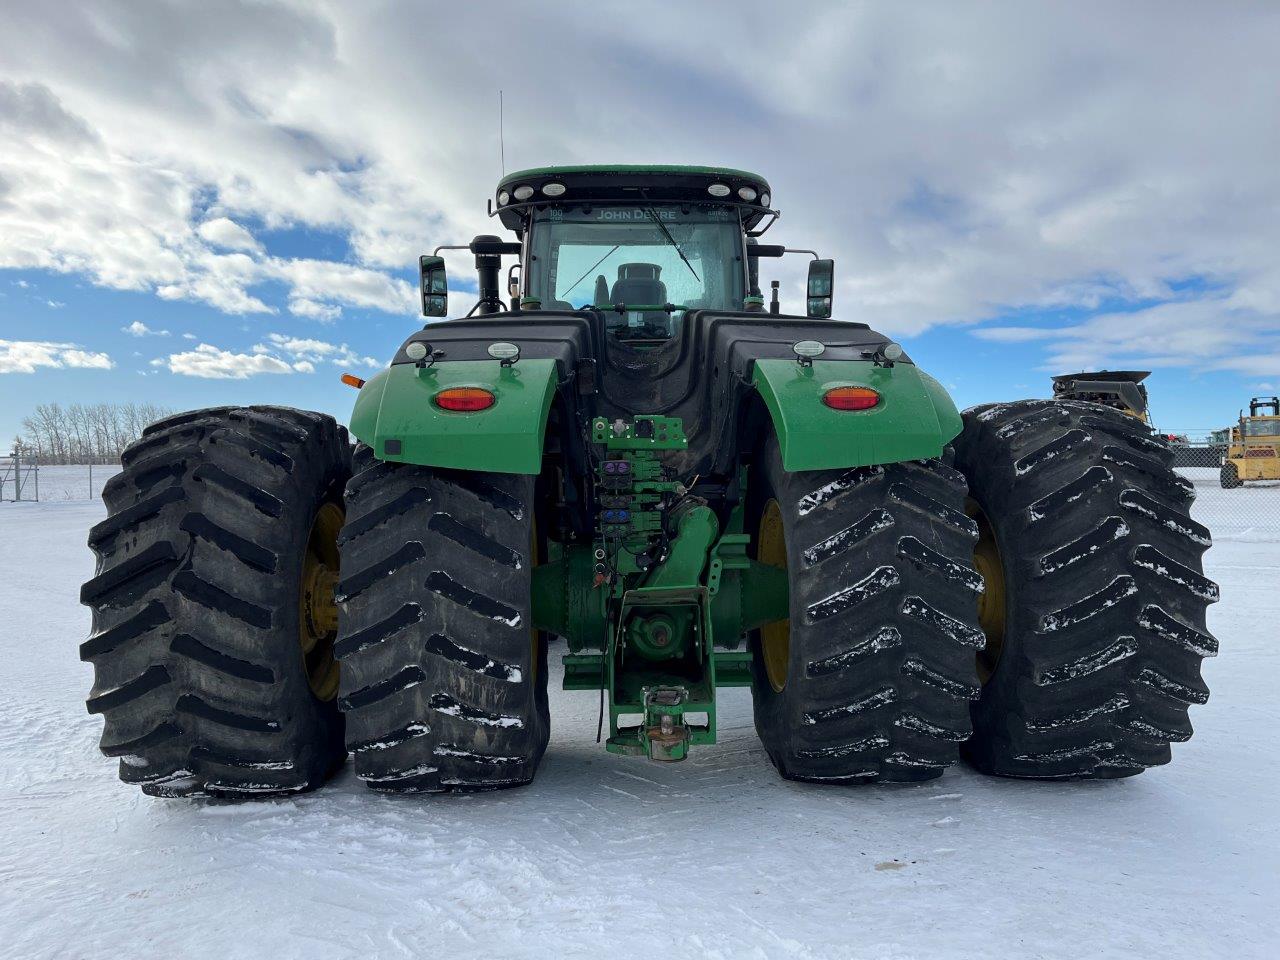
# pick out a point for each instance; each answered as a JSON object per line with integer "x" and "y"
{"x": 607, "y": 856}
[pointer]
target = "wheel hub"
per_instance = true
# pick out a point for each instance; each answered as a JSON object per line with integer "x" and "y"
{"x": 775, "y": 638}
{"x": 317, "y": 607}
{"x": 992, "y": 601}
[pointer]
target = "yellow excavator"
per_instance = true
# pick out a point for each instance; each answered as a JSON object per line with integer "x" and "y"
{"x": 1254, "y": 450}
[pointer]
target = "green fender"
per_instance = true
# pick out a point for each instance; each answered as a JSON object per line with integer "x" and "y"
{"x": 914, "y": 420}
{"x": 396, "y": 405}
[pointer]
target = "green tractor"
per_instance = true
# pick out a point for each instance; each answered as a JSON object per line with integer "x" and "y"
{"x": 630, "y": 456}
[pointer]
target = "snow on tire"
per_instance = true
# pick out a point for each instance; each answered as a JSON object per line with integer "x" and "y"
{"x": 1097, "y": 658}
{"x": 879, "y": 650}
{"x": 444, "y": 685}
{"x": 198, "y": 669}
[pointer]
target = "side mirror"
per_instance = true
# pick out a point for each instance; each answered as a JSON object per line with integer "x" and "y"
{"x": 821, "y": 279}
{"x": 435, "y": 287}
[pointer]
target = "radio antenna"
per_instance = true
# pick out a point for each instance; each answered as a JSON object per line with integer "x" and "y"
{"x": 502, "y": 144}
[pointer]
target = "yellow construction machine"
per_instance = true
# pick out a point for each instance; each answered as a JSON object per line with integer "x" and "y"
{"x": 1254, "y": 450}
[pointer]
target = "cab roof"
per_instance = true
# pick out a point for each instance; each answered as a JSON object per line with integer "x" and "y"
{"x": 631, "y": 184}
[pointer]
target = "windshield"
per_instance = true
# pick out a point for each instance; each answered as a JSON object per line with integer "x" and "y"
{"x": 1262, "y": 428}
{"x": 638, "y": 256}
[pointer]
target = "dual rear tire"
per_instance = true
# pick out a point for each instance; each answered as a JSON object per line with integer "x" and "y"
{"x": 216, "y": 640}
{"x": 1071, "y": 650}
{"x": 1053, "y": 577}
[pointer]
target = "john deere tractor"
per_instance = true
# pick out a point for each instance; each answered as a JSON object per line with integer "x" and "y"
{"x": 630, "y": 458}
{"x": 1253, "y": 448}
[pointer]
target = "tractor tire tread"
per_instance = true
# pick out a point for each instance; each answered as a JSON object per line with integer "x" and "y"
{"x": 194, "y": 646}
{"x": 1105, "y": 627}
{"x": 443, "y": 687}
{"x": 883, "y": 622}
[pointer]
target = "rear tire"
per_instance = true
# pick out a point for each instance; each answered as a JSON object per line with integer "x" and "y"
{"x": 1105, "y": 598}
{"x": 443, "y": 684}
{"x": 199, "y": 672}
{"x": 1229, "y": 476}
{"x": 879, "y": 661}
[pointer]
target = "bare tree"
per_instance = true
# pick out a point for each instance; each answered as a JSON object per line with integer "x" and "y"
{"x": 86, "y": 433}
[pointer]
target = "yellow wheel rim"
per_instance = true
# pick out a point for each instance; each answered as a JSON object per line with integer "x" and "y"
{"x": 317, "y": 609}
{"x": 992, "y": 601}
{"x": 775, "y": 638}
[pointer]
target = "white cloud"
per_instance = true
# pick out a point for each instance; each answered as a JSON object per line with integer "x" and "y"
{"x": 140, "y": 329}
{"x": 958, "y": 163}
{"x": 1209, "y": 333}
{"x": 212, "y": 363}
{"x": 314, "y": 280}
{"x": 117, "y": 199}
{"x": 226, "y": 233}
{"x": 24, "y": 356}
{"x": 323, "y": 312}
{"x": 189, "y": 336}
{"x": 315, "y": 351}
{"x": 281, "y": 354}
{"x": 86, "y": 359}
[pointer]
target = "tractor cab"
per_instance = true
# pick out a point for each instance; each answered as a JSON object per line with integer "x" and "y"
{"x": 644, "y": 245}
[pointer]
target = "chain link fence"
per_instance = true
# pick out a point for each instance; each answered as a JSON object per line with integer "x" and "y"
{"x": 19, "y": 477}
{"x": 1249, "y": 512}
{"x": 24, "y": 479}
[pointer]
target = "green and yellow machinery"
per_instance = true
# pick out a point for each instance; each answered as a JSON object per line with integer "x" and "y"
{"x": 630, "y": 458}
{"x": 1253, "y": 449}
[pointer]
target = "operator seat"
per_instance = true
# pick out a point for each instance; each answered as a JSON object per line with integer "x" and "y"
{"x": 639, "y": 283}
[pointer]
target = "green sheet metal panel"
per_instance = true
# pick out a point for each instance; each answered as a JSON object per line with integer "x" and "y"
{"x": 914, "y": 420}
{"x": 397, "y": 406}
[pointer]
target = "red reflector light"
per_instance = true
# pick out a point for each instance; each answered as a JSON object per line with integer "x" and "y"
{"x": 351, "y": 380}
{"x": 464, "y": 399}
{"x": 851, "y": 398}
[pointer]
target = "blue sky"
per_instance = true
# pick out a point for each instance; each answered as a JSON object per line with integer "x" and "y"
{"x": 40, "y": 305}
{"x": 205, "y": 207}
